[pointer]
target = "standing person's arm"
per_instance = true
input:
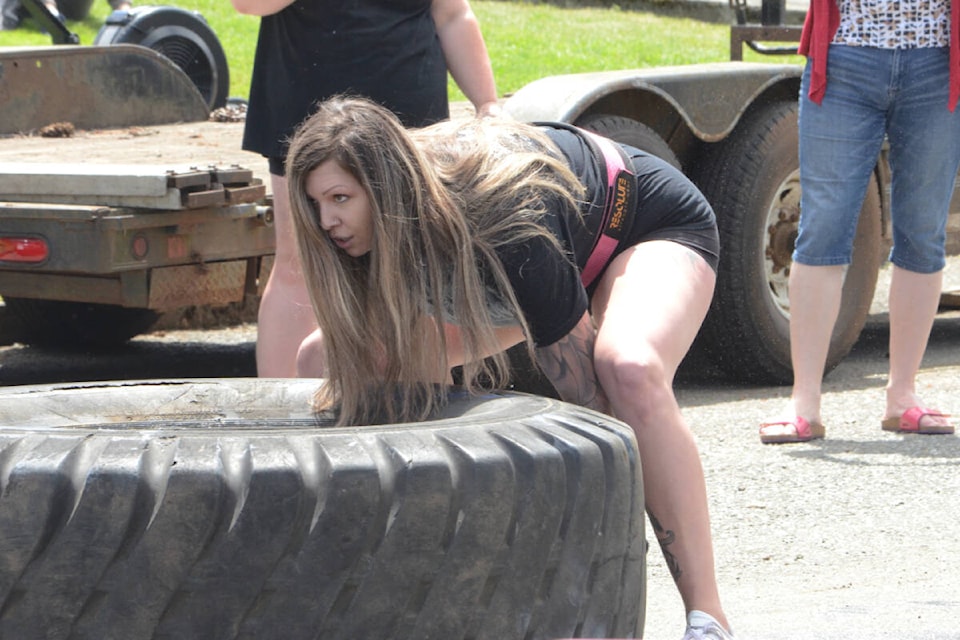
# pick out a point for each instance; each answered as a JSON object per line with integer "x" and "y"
{"x": 465, "y": 52}
{"x": 261, "y": 7}
{"x": 568, "y": 364}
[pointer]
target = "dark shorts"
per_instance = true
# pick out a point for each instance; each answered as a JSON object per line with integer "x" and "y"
{"x": 278, "y": 166}
{"x": 670, "y": 207}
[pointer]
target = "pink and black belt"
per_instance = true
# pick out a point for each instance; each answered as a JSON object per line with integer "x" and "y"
{"x": 621, "y": 188}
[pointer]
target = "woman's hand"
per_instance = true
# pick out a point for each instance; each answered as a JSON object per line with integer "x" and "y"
{"x": 490, "y": 110}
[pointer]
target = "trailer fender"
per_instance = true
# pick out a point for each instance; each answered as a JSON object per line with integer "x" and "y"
{"x": 710, "y": 98}
{"x": 94, "y": 87}
{"x": 182, "y": 36}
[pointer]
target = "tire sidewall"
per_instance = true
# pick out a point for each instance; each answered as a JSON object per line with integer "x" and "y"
{"x": 148, "y": 26}
{"x": 61, "y": 323}
{"x": 743, "y": 251}
{"x": 631, "y": 132}
{"x": 224, "y": 508}
{"x": 744, "y": 246}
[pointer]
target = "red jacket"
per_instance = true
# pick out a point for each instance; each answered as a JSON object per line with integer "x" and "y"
{"x": 823, "y": 20}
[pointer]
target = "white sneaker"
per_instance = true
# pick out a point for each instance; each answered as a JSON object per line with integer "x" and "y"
{"x": 703, "y": 626}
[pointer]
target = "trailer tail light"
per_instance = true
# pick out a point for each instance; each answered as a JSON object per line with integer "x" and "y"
{"x": 23, "y": 249}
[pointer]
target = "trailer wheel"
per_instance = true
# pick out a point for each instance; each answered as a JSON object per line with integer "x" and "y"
{"x": 223, "y": 508}
{"x": 180, "y": 35}
{"x": 632, "y": 132}
{"x": 753, "y": 183}
{"x": 56, "y": 323}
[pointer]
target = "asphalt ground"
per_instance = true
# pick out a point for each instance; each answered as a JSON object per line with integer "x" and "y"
{"x": 854, "y": 536}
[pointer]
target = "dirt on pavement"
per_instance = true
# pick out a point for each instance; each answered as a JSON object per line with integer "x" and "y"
{"x": 200, "y": 143}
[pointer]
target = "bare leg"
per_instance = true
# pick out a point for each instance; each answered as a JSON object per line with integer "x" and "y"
{"x": 646, "y": 324}
{"x": 285, "y": 317}
{"x": 914, "y": 298}
{"x": 311, "y": 357}
{"x": 815, "y": 294}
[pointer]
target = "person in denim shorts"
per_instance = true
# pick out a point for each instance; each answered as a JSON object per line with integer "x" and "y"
{"x": 875, "y": 69}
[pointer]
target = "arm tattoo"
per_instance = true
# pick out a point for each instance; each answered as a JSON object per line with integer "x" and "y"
{"x": 568, "y": 364}
{"x": 666, "y": 538}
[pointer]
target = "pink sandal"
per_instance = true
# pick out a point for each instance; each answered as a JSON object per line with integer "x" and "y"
{"x": 803, "y": 431}
{"x": 909, "y": 422}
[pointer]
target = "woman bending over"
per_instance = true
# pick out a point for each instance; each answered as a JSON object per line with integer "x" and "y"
{"x": 441, "y": 247}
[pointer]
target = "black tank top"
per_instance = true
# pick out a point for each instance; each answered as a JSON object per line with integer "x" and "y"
{"x": 386, "y": 50}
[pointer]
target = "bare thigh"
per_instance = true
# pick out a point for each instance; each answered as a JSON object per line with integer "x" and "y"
{"x": 651, "y": 302}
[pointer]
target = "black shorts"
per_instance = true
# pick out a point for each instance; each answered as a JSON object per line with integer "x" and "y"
{"x": 277, "y": 165}
{"x": 689, "y": 219}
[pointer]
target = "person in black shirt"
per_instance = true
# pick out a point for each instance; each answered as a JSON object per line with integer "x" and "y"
{"x": 444, "y": 246}
{"x": 395, "y": 52}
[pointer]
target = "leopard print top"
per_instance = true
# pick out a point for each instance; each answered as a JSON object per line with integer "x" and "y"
{"x": 894, "y": 24}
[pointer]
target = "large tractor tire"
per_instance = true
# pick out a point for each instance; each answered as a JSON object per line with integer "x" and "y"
{"x": 55, "y": 323}
{"x": 182, "y": 36}
{"x": 752, "y": 179}
{"x": 224, "y": 508}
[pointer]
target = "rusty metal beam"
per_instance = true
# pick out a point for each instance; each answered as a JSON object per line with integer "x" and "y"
{"x": 93, "y": 87}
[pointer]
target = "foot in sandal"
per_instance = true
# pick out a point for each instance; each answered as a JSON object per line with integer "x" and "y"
{"x": 790, "y": 430}
{"x": 919, "y": 420}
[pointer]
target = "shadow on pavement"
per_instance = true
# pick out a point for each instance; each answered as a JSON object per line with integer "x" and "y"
{"x": 137, "y": 360}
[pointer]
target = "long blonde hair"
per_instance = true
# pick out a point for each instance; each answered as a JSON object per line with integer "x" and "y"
{"x": 381, "y": 314}
{"x": 505, "y": 174}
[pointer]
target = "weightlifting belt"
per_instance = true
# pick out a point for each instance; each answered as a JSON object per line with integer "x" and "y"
{"x": 621, "y": 195}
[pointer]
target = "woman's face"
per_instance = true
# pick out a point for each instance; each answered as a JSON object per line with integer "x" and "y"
{"x": 343, "y": 208}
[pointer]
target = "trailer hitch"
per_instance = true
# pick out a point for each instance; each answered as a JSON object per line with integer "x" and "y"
{"x": 771, "y": 28}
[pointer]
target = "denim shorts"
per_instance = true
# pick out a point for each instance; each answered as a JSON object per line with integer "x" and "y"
{"x": 900, "y": 93}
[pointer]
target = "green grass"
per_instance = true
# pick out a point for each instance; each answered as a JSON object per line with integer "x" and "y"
{"x": 526, "y": 41}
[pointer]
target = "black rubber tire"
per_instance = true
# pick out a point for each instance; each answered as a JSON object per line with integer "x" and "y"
{"x": 222, "y": 508}
{"x": 632, "y": 132}
{"x": 752, "y": 181}
{"x": 74, "y": 9}
{"x": 182, "y": 36}
{"x": 55, "y": 323}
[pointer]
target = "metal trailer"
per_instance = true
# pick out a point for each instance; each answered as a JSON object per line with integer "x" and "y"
{"x": 92, "y": 254}
{"x": 732, "y": 128}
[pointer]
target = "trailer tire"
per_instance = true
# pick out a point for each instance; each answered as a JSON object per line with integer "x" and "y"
{"x": 180, "y": 35}
{"x": 57, "y": 323}
{"x": 752, "y": 181}
{"x": 631, "y": 132}
{"x": 224, "y": 508}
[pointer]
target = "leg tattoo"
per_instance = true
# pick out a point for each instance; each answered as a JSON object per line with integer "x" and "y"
{"x": 666, "y": 538}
